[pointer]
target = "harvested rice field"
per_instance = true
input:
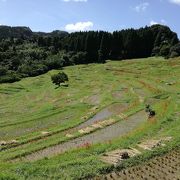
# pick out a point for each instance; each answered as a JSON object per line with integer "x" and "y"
{"x": 97, "y": 127}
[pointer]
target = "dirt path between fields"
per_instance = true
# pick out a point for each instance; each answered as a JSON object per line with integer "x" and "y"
{"x": 166, "y": 167}
{"x": 103, "y": 135}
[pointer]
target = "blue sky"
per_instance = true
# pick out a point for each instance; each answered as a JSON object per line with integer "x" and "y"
{"x": 75, "y": 15}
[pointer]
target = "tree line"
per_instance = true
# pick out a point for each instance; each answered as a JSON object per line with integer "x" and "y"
{"x": 156, "y": 40}
{"x": 25, "y": 53}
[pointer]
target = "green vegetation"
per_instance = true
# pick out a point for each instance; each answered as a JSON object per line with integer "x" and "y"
{"x": 59, "y": 78}
{"x": 24, "y": 53}
{"x": 37, "y": 116}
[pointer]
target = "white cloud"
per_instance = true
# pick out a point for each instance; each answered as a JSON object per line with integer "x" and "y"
{"x": 175, "y": 2}
{"x": 152, "y": 22}
{"x": 79, "y": 26}
{"x": 163, "y": 22}
{"x": 141, "y": 7}
{"x": 74, "y": 0}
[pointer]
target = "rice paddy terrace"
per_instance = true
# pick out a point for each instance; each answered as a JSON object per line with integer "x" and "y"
{"x": 63, "y": 133}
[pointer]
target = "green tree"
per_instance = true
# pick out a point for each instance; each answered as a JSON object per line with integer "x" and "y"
{"x": 59, "y": 78}
{"x": 3, "y": 71}
{"x": 104, "y": 49}
{"x": 175, "y": 51}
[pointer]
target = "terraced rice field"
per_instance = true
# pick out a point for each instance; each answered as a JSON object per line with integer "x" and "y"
{"x": 60, "y": 133}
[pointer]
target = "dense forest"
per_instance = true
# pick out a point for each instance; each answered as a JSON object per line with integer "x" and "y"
{"x": 25, "y": 53}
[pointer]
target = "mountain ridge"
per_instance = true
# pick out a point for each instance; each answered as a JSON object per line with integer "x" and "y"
{"x": 26, "y": 32}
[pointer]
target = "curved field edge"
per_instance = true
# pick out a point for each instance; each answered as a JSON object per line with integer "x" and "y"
{"x": 51, "y": 145}
{"x": 10, "y": 155}
{"x": 81, "y": 164}
{"x": 84, "y": 162}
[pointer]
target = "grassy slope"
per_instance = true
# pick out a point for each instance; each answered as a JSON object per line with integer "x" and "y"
{"x": 34, "y": 105}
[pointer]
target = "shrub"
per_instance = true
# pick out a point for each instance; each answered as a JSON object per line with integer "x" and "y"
{"x": 59, "y": 78}
{"x": 32, "y": 69}
{"x": 10, "y": 77}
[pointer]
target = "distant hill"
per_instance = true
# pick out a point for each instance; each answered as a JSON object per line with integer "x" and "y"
{"x": 56, "y": 33}
{"x": 15, "y": 32}
{"x": 26, "y": 32}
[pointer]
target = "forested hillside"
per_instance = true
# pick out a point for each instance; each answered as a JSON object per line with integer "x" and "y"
{"x": 25, "y": 53}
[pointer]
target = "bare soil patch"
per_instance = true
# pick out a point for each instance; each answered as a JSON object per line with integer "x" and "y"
{"x": 116, "y": 156}
{"x": 165, "y": 167}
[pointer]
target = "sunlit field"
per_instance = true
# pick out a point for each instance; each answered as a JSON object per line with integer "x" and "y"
{"x": 61, "y": 133}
